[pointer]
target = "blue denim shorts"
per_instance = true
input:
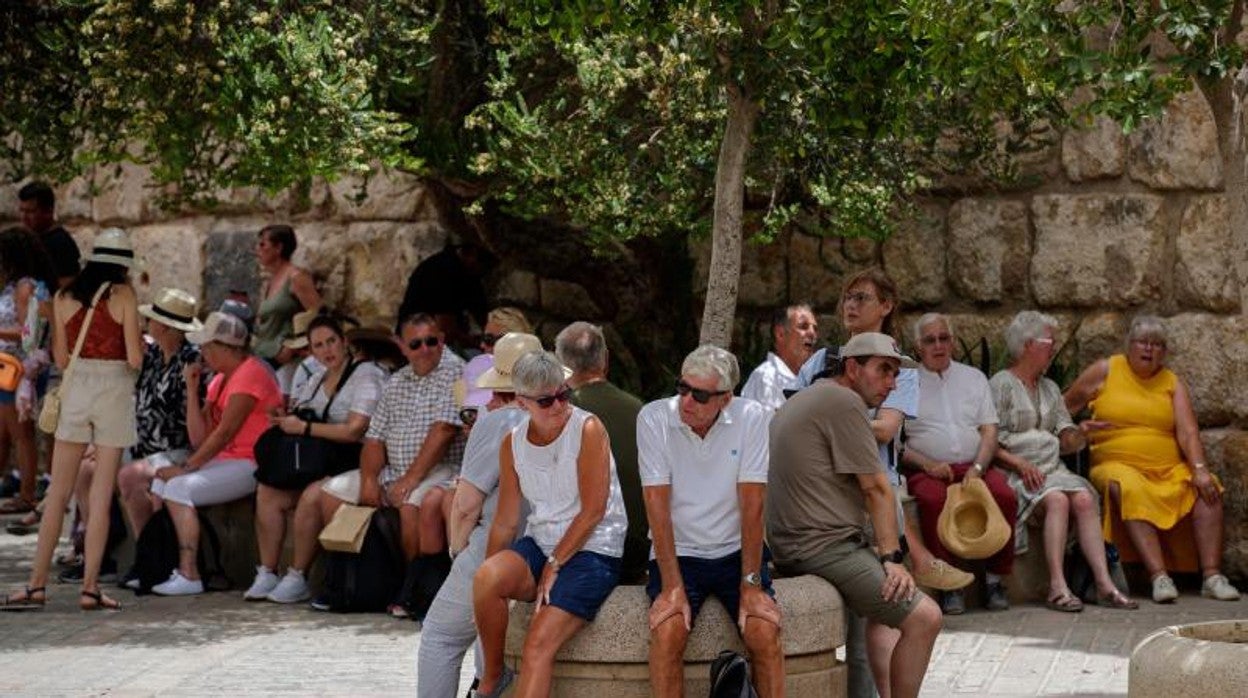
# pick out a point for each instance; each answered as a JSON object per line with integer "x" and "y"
{"x": 8, "y": 397}
{"x": 719, "y": 577}
{"x": 584, "y": 581}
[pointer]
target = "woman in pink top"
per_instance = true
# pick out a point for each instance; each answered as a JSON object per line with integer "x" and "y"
{"x": 223, "y": 432}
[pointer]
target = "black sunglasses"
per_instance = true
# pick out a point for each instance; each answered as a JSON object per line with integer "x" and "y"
{"x": 490, "y": 339}
{"x": 700, "y": 396}
{"x": 543, "y": 402}
{"x": 468, "y": 416}
{"x": 430, "y": 342}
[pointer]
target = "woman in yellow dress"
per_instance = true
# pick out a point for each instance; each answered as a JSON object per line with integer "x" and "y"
{"x": 1149, "y": 465}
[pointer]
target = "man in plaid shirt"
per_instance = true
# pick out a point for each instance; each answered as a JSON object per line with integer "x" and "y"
{"x": 413, "y": 446}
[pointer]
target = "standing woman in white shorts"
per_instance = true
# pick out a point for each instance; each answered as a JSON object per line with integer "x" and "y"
{"x": 97, "y": 407}
{"x": 223, "y": 433}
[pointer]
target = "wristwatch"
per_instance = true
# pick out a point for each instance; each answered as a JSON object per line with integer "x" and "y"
{"x": 553, "y": 562}
{"x": 752, "y": 579}
{"x": 896, "y": 557}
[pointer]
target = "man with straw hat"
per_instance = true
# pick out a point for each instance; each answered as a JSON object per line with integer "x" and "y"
{"x": 448, "y": 629}
{"x": 160, "y": 400}
{"x": 824, "y": 479}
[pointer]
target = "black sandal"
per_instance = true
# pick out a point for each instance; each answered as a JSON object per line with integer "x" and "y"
{"x": 99, "y": 602}
{"x": 27, "y": 600}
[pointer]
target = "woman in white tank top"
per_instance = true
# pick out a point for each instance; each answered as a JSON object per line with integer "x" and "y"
{"x": 559, "y": 460}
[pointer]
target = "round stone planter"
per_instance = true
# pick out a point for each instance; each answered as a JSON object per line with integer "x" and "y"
{"x": 609, "y": 658}
{"x": 1201, "y": 659}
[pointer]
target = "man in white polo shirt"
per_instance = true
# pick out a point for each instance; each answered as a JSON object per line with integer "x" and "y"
{"x": 793, "y": 333}
{"x": 954, "y": 437}
{"x": 703, "y": 461}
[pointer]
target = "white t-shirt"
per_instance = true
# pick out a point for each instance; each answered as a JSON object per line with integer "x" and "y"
{"x": 952, "y": 407}
{"x": 358, "y": 395}
{"x": 480, "y": 464}
{"x": 703, "y": 472}
{"x": 769, "y": 381}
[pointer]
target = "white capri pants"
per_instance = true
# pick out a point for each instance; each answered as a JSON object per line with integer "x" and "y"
{"x": 347, "y": 485}
{"x": 217, "y": 482}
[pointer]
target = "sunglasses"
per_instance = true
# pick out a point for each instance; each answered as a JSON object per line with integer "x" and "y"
{"x": 430, "y": 342}
{"x": 490, "y": 339}
{"x": 468, "y": 416}
{"x": 699, "y": 396}
{"x": 546, "y": 401}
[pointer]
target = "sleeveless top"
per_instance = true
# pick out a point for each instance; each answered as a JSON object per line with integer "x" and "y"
{"x": 548, "y": 481}
{"x": 9, "y": 318}
{"x": 105, "y": 338}
{"x": 1142, "y": 412}
{"x": 273, "y": 321}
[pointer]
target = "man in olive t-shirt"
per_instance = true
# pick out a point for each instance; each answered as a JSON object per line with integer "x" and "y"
{"x": 582, "y": 348}
{"x": 824, "y": 482}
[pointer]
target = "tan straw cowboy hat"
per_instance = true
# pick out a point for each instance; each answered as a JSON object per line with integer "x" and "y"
{"x": 507, "y": 351}
{"x": 971, "y": 525}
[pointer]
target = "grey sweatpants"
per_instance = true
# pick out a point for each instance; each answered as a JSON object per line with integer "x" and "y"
{"x": 448, "y": 630}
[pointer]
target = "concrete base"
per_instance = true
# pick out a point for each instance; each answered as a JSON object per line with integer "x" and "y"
{"x": 1201, "y": 659}
{"x": 609, "y": 658}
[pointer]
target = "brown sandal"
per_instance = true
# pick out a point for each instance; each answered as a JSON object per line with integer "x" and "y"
{"x": 1065, "y": 602}
{"x": 98, "y": 602}
{"x": 25, "y": 600}
{"x": 1116, "y": 600}
{"x": 16, "y": 505}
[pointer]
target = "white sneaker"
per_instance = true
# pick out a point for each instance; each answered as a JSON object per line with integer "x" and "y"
{"x": 1218, "y": 587}
{"x": 1164, "y": 590}
{"x": 177, "y": 585}
{"x": 264, "y": 582}
{"x": 292, "y": 589}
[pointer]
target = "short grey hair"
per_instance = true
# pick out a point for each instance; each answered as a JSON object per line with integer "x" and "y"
{"x": 928, "y": 318}
{"x": 1147, "y": 327}
{"x": 537, "y": 373}
{"x": 582, "y": 347}
{"x": 1026, "y": 326}
{"x": 710, "y": 361}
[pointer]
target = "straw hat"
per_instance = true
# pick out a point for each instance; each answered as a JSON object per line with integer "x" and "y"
{"x": 971, "y": 525}
{"x": 112, "y": 246}
{"x": 173, "y": 307}
{"x": 507, "y": 351}
{"x": 300, "y": 322}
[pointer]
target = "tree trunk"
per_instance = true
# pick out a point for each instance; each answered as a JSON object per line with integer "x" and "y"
{"x": 1231, "y": 115}
{"x": 725, "y": 271}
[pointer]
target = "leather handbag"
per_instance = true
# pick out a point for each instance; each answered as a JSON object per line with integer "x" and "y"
{"x": 294, "y": 461}
{"x": 50, "y": 413}
{"x": 345, "y": 532}
{"x": 11, "y": 371}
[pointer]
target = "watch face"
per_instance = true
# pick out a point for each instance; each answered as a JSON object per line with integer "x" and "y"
{"x": 753, "y": 579}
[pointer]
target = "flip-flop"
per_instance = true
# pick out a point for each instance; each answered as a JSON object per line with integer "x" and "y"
{"x": 1116, "y": 600}
{"x": 98, "y": 602}
{"x": 26, "y": 525}
{"x": 1065, "y": 602}
{"x": 16, "y": 505}
{"x": 25, "y": 600}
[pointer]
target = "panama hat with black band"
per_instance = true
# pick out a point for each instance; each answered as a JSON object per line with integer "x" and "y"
{"x": 175, "y": 308}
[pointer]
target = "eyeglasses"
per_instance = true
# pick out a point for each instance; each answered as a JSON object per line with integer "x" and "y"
{"x": 1045, "y": 341}
{"x": 545, "y": 401}
{"x": 430, "y": 342}
{"x": 932, "y": 339}
{"x": 490, "y": 339}
{"x": 699, "y": 396}
{"x": 468, "y": 416}
{"x": 1149, "y": 343}
{"x": 858, "y": 297}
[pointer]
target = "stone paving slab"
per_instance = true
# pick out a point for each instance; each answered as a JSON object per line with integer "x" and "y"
{"x": 216, "y": 645}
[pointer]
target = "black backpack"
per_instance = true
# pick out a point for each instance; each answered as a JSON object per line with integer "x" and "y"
{"x": 367, "y": 581}
{"x": 730, "y": 677}
{"x": 156, "y": 553}
{"x": 424, "y": 579}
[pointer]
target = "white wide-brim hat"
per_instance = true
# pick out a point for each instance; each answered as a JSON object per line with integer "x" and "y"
{"x": 112, "y": 246}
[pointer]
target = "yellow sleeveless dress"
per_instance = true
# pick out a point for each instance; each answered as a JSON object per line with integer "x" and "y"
{"x": 1141, "y": 454}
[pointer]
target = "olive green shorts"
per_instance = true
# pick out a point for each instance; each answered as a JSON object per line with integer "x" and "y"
{"x": 853, "y": 568}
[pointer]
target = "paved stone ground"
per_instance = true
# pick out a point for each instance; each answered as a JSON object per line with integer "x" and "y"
{"x": 215, "y": 645}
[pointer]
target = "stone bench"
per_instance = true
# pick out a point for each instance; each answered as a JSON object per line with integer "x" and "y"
{"x": 610, "y": 656}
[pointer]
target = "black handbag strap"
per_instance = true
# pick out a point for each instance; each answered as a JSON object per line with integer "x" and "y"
{"x": 346, "y": 375}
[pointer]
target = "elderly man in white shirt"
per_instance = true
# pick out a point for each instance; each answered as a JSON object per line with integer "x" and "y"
{"x": 954, "y": 437}
{"x": 703, "y": 458}
{"x": 793, "y": 334}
